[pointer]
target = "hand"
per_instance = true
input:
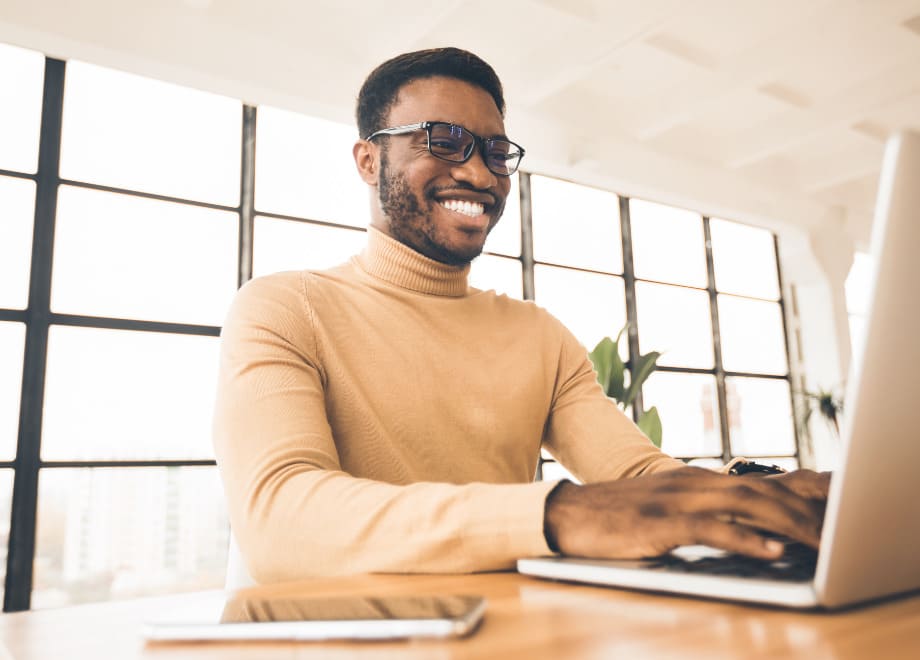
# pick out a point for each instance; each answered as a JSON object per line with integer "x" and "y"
{"x": 651, "y": 515}
{"x": 806, "y": 483}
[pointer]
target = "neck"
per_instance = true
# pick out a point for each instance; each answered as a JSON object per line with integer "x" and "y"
{"x": 393, "y": 261}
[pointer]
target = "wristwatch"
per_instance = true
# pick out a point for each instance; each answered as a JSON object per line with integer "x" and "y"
{"x": 741, "y": 466}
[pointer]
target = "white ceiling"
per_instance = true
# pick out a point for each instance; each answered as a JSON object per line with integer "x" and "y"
{"x": 767, "y": 111}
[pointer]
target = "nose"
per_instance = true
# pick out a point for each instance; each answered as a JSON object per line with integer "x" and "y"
{"x": 475, "y": 172}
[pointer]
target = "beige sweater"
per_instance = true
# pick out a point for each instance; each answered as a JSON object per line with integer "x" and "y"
{"x": 385, "y": 416}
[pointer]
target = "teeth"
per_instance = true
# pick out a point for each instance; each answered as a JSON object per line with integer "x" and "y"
{"x": 471, "y": 209}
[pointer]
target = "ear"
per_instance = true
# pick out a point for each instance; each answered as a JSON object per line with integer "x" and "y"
{"x": 367, "y": 160}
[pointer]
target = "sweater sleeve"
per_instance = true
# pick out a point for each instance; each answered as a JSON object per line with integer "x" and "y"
{"x": 295, "y": 512}
{"x": 588, "y": 433}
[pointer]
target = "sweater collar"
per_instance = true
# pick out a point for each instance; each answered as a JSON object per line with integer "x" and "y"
{"x": 389, "y": 260}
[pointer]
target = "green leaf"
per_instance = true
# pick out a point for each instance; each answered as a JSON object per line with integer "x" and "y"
{"x": 609, "y": 366}
{"x": 601, "y": 357}
{"x": 645, "y": 365}
{"x": 650, "y": 424}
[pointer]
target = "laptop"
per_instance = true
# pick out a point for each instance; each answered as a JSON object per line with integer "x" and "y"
{"x": 870, "y": 543}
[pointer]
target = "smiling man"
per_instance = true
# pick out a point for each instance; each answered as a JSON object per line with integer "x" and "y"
{"x": 384, "y": 415}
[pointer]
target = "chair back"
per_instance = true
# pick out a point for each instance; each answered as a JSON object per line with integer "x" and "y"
{"x": 238, "y": 576}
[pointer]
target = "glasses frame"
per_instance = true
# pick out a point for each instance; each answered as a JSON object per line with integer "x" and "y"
{"x": 480, "y": 142}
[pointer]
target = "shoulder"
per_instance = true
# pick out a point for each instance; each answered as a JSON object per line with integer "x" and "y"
{"x": 287, "y": 290}
{"x": 526, "y": 314}
{"x": 268, "y": 295}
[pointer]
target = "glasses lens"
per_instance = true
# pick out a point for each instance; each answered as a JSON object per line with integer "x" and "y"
{"x": 450, "y": 142}
{"x": 502, "y": 157}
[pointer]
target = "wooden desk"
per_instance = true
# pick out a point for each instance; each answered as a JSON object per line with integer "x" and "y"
{"x": 526, "y": 618}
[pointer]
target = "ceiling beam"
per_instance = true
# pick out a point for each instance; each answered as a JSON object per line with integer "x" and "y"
{"x": 850, "y": 106}
{"x": 756, "y": 66}
{"x": 631, "y": 31}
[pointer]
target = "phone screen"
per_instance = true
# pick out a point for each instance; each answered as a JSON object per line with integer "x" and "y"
{"x": 318, "y": 618}
{"x": 305, "y": 608}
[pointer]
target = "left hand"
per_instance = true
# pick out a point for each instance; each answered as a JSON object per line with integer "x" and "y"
{"x": 808, "y": 484}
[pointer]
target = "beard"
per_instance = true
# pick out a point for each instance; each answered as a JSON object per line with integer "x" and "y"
{"x": 411, "y": 218}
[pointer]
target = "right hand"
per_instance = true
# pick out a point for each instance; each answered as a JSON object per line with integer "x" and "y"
{"x": 650, "y": 515}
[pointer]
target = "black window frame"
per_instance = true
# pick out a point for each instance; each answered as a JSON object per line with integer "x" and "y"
{"x": 38, "y": 316}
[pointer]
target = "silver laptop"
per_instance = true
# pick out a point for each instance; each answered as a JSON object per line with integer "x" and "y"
{"x": 870, "y": 543}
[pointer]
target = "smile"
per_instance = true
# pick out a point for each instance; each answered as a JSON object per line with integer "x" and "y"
{"x": 472, "y": 209}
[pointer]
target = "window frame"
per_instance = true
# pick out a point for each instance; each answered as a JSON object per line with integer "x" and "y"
{"x": 38, "y": 316}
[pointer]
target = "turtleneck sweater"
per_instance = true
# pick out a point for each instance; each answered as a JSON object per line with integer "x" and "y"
{"x": 385, "y": 416}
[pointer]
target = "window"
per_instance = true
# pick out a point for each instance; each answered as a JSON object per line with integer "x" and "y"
{"x": 21, "y": 73}
{"x": 721, "y": 390}
{"x": 18, "y": 209}
{"x": 120, "y": 314}
{"x": 294, "y": 245}
{"x": 163, "y": 210}
{"x": 304, "y": 169}
{"x": 12, "y": 347}
{"x": 858, "y": 298}
{"x": 134, "y": 133}
{"x": 575, "y": 225}
{"x": 111, "y": 252}
{"x": 104, "y": 390}
{"x": 106, "y": 533}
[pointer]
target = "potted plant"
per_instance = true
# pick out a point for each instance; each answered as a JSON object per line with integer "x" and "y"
{"x": 827, "y": 403}
{"x": 611, "y": 374}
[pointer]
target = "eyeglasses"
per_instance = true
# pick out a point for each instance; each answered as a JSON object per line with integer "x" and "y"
{"x": 456, "y": 144}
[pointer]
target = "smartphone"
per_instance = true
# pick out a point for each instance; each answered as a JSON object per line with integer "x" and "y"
{"x": 312, "y": 618}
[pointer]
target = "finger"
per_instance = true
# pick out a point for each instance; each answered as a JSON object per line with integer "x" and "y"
{"x": 757, "y": 502}
{"x": 707, "y": 530}
{"x": 774, "y": 509}
{"x": 805, "y": 483}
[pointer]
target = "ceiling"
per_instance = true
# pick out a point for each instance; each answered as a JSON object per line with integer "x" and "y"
{"x": 773, "y": 112}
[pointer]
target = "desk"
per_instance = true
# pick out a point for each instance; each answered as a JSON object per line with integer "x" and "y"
{"x": 526, "y": 618}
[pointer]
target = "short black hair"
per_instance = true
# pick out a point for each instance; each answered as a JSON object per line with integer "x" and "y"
{"x": 379, "y": 91}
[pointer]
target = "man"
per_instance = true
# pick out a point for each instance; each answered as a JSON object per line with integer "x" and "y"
{"x": 385, "y": 416}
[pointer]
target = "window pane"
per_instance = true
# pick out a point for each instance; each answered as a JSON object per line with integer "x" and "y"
{"x": 12, "y": 345}
{"x": 667, "y": 244}
{"x": 130, "y": 257}
{"x": 592, "y": 306}
{"x": 109, "y": 533}
{"x": 6, "y": 498}
{"x": 575, "y": 225}
{"x": 744, "y": 259}
{"x": 759, "y": 416}
{"x": 857, "y": 284}
{"x": 709, "y": 463}
{"x": 291, "y": 245}
{"x": 553, "y": 471}
{"x": 126, "y": 131}
{"x": 17, "y": 213}
{"x": 789, "y": 463}
{"x": 752, "y": 336}
{"x": 115, "y": 394}
{"x": 676, "y": 322}
{"x": 22, "y": 74}
{"x": 499, "y": 273}
{"x": 689, "y": 408}
{"x": 858, "y": 296}
{"x": 505, "y": 237}
{"x": 305, "y": 168}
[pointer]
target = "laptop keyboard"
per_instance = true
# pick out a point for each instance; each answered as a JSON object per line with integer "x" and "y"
{"x": 796, "y": 565}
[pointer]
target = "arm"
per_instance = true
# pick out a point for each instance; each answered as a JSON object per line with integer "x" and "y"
{"x": 295, "y": 512}
{"x": 650, "y": 515}
{"x": 588, "y": 433}
{"x": 666, "y": 504}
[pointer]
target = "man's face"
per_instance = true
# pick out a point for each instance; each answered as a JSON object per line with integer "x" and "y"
{"x": 442, "y": 209}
